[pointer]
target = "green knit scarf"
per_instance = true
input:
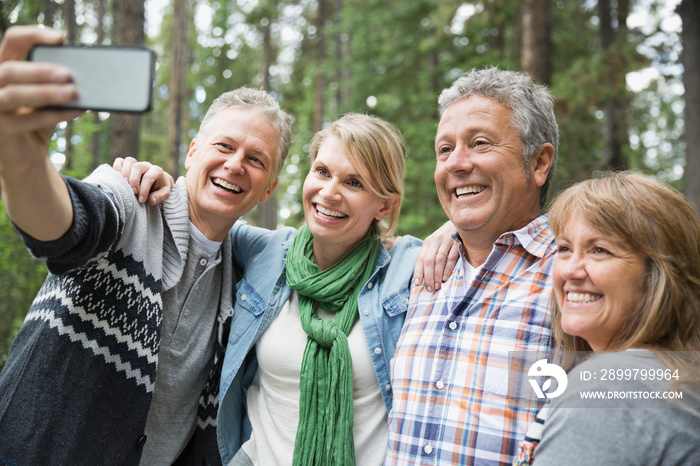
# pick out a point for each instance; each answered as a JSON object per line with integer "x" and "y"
{"x": 324, "y": 435}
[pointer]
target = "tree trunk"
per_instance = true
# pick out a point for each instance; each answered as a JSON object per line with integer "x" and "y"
{"x": 268, "y": 210}
{"x": 129, "y": 21}
{"x": 97, "y": 135}
{"x": 613, "y": 120}
{"x": 50, "y": 12}
{"x": 320, "y": 78}
{"x": 71, "y": 37}
{"x": 537, "y": 40}
{"x": 342, "y": 55}
{"x": 4, "y": 22}
{"x": 176, "y": 88}
{"x": 689, "y": 11}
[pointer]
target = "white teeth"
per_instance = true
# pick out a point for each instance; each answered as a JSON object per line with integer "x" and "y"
{"x": 582, "y": 297}
{"x": 226, "y": 185}
{"x": 329, "y": 212}
{"x": 469, "y": 190}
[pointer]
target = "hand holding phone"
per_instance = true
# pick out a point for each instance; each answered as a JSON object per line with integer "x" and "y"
{"x": 109, "y": 78}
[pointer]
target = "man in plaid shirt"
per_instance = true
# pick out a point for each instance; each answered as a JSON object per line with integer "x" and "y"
{"x": 496, "y": 146}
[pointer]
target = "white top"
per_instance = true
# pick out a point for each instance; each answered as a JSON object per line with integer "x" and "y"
{"x": 273, "y": 397}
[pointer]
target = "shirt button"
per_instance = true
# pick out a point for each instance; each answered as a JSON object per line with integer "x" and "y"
{"x": 369, "y": 285}
{"x": 244, "y": 297}
{"x": 439, "y": 384}
{"x": 365, "y": 312}
{"x": 428, "y": 449}
{"x": 377, "y": 350}
{"x": 453, "y": 325}
{"x": 202, "y": 262}
{"x": 388, "y": 387}
{"x": 141, "y": 441}
{"x": 187, "y": 312}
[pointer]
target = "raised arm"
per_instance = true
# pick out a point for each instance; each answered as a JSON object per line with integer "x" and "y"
{"x": 34, "y": 194}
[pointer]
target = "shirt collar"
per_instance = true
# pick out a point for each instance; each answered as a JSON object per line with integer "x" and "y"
{"x": 536, "y": 237}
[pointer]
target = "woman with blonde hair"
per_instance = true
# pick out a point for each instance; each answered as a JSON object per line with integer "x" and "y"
{"x": 319, "y": 310}
{"x": 626, "y": 285}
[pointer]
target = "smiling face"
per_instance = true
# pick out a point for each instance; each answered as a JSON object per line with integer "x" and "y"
{"x": 230, "y": 168}
{"x": 479, "y": 175}
{"x": 338, "y": 206}
{"x": 597, "y": 283}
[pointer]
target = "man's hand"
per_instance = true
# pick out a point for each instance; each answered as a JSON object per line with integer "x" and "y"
{"x": 145, "y": 178}
{"x": 34, "y": 194}
{"x": 26, "y": 88}
{"x": 437, "y": 258}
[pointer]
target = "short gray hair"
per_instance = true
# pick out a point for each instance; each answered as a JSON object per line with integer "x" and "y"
{"x": 532, "y": 106}
{"x": 253, "y": 98}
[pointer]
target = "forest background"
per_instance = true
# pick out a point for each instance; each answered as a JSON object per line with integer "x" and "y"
{"x": 625, "y": 73}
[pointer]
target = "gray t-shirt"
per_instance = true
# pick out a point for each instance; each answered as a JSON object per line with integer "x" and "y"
{"x": 621, "y": 431}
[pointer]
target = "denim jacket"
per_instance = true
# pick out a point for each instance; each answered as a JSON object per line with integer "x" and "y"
{"x": 262, "y": 292}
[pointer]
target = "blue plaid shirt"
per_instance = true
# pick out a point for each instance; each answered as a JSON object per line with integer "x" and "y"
{"x": 450, "y": 371}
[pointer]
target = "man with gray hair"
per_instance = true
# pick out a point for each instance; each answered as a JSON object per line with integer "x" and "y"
{"x": 496, "y": 146}
{"x": 119, "y": 358}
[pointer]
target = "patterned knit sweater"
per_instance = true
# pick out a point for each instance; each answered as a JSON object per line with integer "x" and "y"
{"x": 79, "y": 380}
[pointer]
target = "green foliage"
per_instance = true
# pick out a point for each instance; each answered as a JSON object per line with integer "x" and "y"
{"x": 21, "y": 277}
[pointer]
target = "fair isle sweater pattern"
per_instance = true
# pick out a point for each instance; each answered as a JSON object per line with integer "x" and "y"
{"x": 122, "y": 327}
{"x": 92, "y": 335}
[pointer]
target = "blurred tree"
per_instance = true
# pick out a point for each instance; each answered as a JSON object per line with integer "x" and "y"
{"x": 179, "y": 49}
{"x": 267, "y": 211}
{"x": 96, "y": 147}
{"x": 71, "y": 38}
{"x": 689, "y": 11}
{"x": 129, "y": 22}
{"x": 21, "y": 276}
{"x": 613, "y": 30}
{"x": 537, "y": 40}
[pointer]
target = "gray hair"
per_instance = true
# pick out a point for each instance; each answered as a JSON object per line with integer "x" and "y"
{"x": 532, "y": 106}
{"x": 253, "y": 98}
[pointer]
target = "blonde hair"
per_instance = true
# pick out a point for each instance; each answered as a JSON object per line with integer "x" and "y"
{"x": 654, "y": 220}
{"x": 376, "y": 150}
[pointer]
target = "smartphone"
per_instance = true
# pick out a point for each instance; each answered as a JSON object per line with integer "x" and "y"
{"x": 109, "y": 78}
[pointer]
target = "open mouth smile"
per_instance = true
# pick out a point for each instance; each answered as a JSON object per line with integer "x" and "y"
{"x": 328, "y": 214}
{"x": 469, "y": 190}
{"x": 582, "y": 297}
{"x": 226, "y": 185}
